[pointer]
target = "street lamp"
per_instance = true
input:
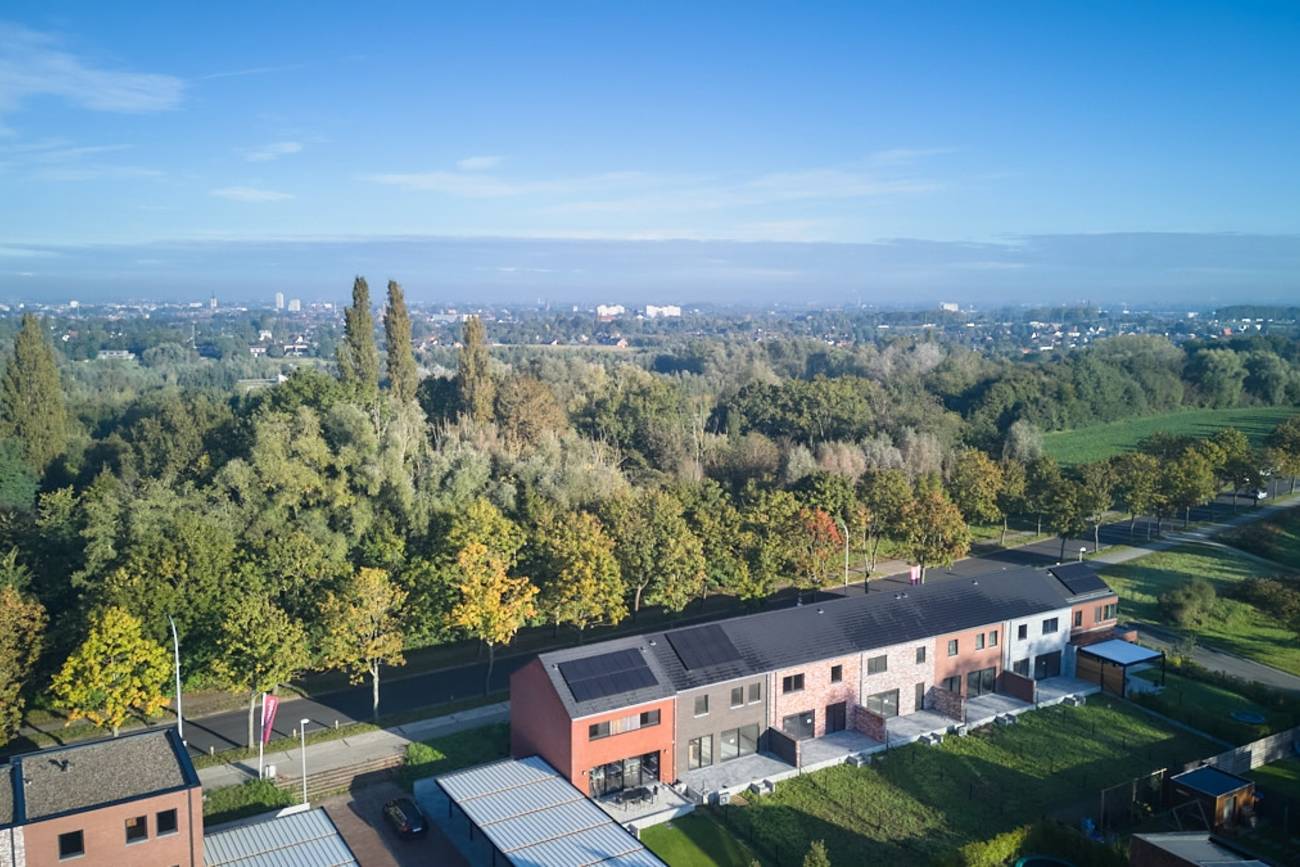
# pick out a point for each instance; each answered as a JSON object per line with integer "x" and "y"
{"x": 302, "y": 731}
{"x": 1082, "y": 551}
{"x": 176, "y": 650}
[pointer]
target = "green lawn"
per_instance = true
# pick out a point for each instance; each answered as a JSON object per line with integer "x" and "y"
{"x": 1209, "y": 707}
{"x": 1277, "y": 539}
{"x": 452, "y": 752}
{"x": 1236, "y": 627}
{"x": 921, "y": 802}
{"x": 696, "y": 840}
{"x": 1098, "y": 442}
{"x": 1281, "y": 777}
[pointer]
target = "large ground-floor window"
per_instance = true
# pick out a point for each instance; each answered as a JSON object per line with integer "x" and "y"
{"x": 884, "y": 703}
{"x": 981, "y": 682}
{"x": 734, "y": 743}
{"x": 699, "y": 752}
{"x": 799, "y": 725}
{"x": 625, "y": 774}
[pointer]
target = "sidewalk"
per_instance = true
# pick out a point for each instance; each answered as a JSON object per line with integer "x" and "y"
{"x": 346, "y": 752}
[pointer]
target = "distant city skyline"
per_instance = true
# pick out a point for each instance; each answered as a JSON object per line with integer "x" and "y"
{"x": 1015, "y": 153}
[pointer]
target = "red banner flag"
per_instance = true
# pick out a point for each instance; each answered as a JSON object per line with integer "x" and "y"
{"x": 269, "y": 705}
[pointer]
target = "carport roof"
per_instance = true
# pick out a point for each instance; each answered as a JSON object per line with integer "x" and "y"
{"x": 1120, "y": 652}
{"x": 305, "y": 839}
{"x": 536, "y": 818}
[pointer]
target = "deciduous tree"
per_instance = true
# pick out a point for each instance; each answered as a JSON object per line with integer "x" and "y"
{"x": 661, "y": 560}
{"x": 361, "y": 630}
{"x": 115, "y": 672}
{"x": 259, "y": 648}
{"x": 886, "y": 494}
{"x": 933, "y": 531}
{"x": 973, "y": 483}
{"x": 403, "y": 377}
{"x": 579, "y": 574}
{"x": 492, "y": 605}
{"x": 22, "y": 633}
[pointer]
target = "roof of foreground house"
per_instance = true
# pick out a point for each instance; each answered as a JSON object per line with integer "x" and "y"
{"x": 696, "y": 656}
{"x": 78, "y": 777}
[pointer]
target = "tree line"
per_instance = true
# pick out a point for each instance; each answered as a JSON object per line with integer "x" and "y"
{"x": 337, "y": 520}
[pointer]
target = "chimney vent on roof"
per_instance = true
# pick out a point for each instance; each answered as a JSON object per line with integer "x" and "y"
{"x": 898, "y": 596}
{"x": 652, "y": 642}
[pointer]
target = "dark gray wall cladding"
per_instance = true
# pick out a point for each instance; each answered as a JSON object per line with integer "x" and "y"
{"x": 721, "y": 716}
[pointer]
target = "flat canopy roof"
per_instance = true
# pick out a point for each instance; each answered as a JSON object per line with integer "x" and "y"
{"x": 1120, "y": 652}
{"x": 536, "y": 818}
{"x": 305, "y": 839}
{"x": 1211, "y": 781}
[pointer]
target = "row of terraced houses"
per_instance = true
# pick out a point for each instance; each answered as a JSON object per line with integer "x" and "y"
{"x": 803, "y": 684}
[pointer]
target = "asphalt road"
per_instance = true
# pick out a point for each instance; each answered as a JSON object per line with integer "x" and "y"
{"x": 412, "y": 692}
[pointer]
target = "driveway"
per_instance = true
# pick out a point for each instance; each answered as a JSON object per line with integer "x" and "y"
{"x": 360, "y": 820}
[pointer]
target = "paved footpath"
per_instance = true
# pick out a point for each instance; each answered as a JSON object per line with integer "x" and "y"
{"x": 357, "y": 749}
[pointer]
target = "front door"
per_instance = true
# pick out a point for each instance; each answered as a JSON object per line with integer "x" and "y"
{"x": 920, "y": 697}
{"x": 835, "y": 717}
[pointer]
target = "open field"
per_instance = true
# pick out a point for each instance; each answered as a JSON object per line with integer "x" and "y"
{"x": 696, "y": 839}
{"x": 1208, "y": 707}
{"x": 1234, "y": 627}
{"x": 920, "y": 802}
{"x": 1277, "y": 538}
{"x": 1099, "y": 442}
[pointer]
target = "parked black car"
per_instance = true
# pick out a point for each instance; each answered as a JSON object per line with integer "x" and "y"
{"x": 405, "y": 817}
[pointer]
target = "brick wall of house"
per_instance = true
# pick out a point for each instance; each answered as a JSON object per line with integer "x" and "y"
{"x": 1087, "y": 613}
{"x": 818, "y": 691}
{"x": 950, "y": 704}
{"x": 870, "y": 724}
{"x": 968, "y": 658}
{"x": 587, "y": 753}
{"x": 104, "y": 833}
{"x": 539, "y": 724}
{"x": 902, "y": 673}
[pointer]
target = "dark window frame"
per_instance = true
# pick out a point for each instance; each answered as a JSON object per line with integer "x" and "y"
{"x": 878, "y": 664}
{"x": 920, "y": 655}
{"x": 1054, "y": 623}
{"x": 141, "y": 830}
{"x": 953, "y": 647}
{"x": 172, "y": 820}
{"x": 705, "y": 699}
{"x": 755, "y": 693}
{"x": 68, "y": 838}
{"x": 792, "y": 683}
{"x": 1022, "y": 632}
{"x": 837, "y": 673}
{"x": 737, "y": 691}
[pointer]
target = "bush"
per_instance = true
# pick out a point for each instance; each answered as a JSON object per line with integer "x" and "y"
{"x": 1042, "y": 838}
{"x": 994, "y": 852}
{"x": 1281, "y": 599}
{"x": 248, "y": 799}
{"x": 1190, "y": 603}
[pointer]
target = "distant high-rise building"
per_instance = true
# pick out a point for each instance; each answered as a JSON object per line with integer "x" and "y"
{"x": 657, "y": 311}
{"x": 294, "y": 305}
{"x": 606, "y": 312}
{"x": 279, "y": 300}
{"x": 949, "y": 306}
{"x": 212, "y": 302}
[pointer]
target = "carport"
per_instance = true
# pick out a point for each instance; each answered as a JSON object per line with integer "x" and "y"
{"x": 530, "y": 816}
{"x": 1106, "y": 663}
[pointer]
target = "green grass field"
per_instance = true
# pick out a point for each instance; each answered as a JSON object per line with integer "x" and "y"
{"x": 921, "y": 802}
{"x": 1099, "y": 442}
{"x": 696, "y": 839}
{"x": 1235, "y": 627}
{"x": 452, "y": 752}
{"x": 1281, "y": 777}
{"x": 1208, "y": 707}
{"x": 1277, "y": 539}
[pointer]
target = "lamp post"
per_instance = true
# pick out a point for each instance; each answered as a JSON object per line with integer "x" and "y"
{"x": 845, "y": 528}
{"x": 302, "y": 731}
{"x": 176, "y": 650}
{"x": 1082, "y": 551}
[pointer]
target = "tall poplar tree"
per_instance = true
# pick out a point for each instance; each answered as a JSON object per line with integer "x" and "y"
{"x": 31, "y": 400}
{"x": 402, "y": 375}
{"x": 474, "y": 383}
{"x": 358, "y": 358}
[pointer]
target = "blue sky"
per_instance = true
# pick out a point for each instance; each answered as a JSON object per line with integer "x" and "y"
{"x": 888, "y": 151}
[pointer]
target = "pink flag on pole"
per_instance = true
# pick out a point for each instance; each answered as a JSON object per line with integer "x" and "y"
{"x": 269, "y": 705}
{"x": 914, "y": 574}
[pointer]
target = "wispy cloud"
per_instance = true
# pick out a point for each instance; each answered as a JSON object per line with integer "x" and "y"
{"x": 250, "y": 194}
{"x": 272, "y": 151}
{"x": 906, "y": 156}
{"x": 57, "y": 159}
{"x": 478, "y": 164}
{"x": 476, "y": 185}
{"x": 254, "y": 70}
{"x": 35, "y": 64}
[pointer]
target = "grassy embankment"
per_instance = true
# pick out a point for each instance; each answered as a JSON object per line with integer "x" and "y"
{"x": 1098, "y": 442}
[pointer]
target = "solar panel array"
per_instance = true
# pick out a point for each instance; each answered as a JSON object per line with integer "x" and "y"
{"x": 607, "y": 674}
{"x": 703, "y": 646}
{"x": 1079, "y": 578}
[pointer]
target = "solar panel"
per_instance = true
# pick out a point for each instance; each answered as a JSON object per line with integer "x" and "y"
{"x": 1079, "y": 578}
{"x": 606, "y": 674}
{"x": 703, "y": 646}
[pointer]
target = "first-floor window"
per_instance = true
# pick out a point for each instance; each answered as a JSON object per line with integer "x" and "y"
{"x": 837, "y": 673}
{"x": 1078, "y": 618}
{"x": 952, "y": 647}
{"x": 1049, "y": 625}
{"x": 71, "y": 844}
{"x": 878, "y": 664}
{"x": 737, "y": 696}
{"x": 993, "y": 638}
{"x": 884, "y": 703}
{"x": 1021, "y": 667}
{"x": 165, "y": 822}
{"x": 792, "y": 683}
{"x": 699, "y": 752}
{"x": 137, "y": 829}
{"x": 920, "y": 654}
{"x": 979, "y": 641}
{"x": 755, "y": 692}
{"x": 701, "y": 705}
{"x": 1022, "y": 631}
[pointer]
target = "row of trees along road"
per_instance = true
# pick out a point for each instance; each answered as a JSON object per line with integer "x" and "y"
{"x": 338, "y": 520}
